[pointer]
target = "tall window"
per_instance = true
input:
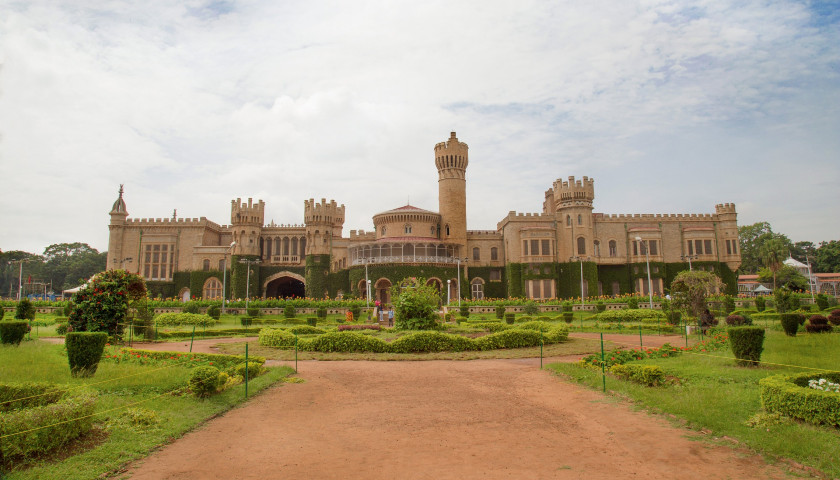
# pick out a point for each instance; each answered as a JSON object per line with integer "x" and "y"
{"x": 580, "y": 219}
{"x": 494, "y": 253}
{"x": 495, "y": 275}
{"x": 698, "y": 247}
{"x": 569, "y": 220}
{"x": 708, "y": 246}
{"x": 690, "y": 247}
{"x": 212, "y": 288}
{"x": 581, "y": 244}
{"x": 613, "y": 248}
{"x": 596, "y": 248}
{"x": 535, "y": 247}
{"x": 158, "y": 261}
{"x": 477, "y": 288}
{"x": 408, "y": 229}
{"x": 222, "y": 264}
{"x": 206, "y": 265}
{"x": 447, "y": 230}
{"x": 546, "y": 247}
{"x": 652, "y": 246}
{"x": 476, "y": 253}
{"x": 524, "y": 247}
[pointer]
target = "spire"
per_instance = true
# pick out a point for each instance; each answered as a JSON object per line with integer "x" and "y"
{"x": 119, "y": 205}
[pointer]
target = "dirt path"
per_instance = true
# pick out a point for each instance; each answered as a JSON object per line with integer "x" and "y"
{"x": 488, "y": 419}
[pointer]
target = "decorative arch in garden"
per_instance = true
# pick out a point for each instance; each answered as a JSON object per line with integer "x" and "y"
{"x": 283, "y": 285}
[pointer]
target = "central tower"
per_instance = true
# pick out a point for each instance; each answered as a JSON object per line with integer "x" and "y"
{"x": 451, "y": 159}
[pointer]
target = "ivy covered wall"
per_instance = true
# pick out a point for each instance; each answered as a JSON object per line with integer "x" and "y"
{"x": 239, "y": 274}
{"x": 395, "y": 273}
{"x": 492, "y": 289}
{"x": 317, "y": 271}
{"x": 513, "y": 274}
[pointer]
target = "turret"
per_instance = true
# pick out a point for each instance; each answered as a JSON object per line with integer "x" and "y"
{"x": 451, "y": 160}
{"x": 573, "y": 206}
{"x": 116, "y": 232}
{"x": 246, "y": 221}
{"x": 323, "y": 222}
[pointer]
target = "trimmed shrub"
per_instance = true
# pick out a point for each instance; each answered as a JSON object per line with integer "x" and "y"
{"x": 25, "y": 310}
{"x": 428, "y": 323}
{"x": 650, "y": 375}
{"x": 644, "y": 316}
{"x": 60, "y": 415}
{"x": 253, "y": 312}
{"x": 289, "y": 312}
{"x": 306, "y": 330}
{"x": 322, "y": 312}
{"x": 822, "y": 301}
{"x": 276, "y": 337}
{"x": 458, "y": 320}
{"x": 834, "y": 317}
{"x": 790, "y": 396}
{"x": 255, "y": 369}
{"x": 747, "y": 343}
{"x": 344, "y": 342}
{"x": 567, "y": 306}
{"x": 372, "y": 326}
{"x": 509, "y": 318}
{"x": 531, "y": 308}
{"x": 61, "y": 328}
{"x": 246, "y": 321}
{"x": 491, "y": 326}
{"x": 464, "y": 311}
{"x": 568, "y": 316}
{"x": 223, "y": 361}
{"x": 791, "y": 322}
{"x": 422, "y": 342}
{"x": 633, "y": 303}
{"x": 312, "y": 321}
{"x": 190, "y": 307}
{"x": 500, "y": 311}
{"x": 356, "y": 311}
{"x": 512, "y": 338}
{"x": 84, "y": 350}
{"x": 13, "y": 331}
{"x": 794, "y": 302}
{"x": 214, "y": 312}
{"x": 759, "y": 304}
{"x": 735, "y": 320}
{"x": 817, "y": 324}
{"x": 182, "y": 319}
{"x": 205, "y": 381}
{"x": 600, "y": 306}
{"x": 728, "y": 304}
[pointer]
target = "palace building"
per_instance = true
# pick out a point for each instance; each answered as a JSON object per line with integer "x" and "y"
{"x": 566, "y": 250}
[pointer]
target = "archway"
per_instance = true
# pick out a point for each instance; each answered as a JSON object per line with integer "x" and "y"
{"x": 284, "y": 285}
{"x": 383, "y": 291}
{"x": 184, "y": 294}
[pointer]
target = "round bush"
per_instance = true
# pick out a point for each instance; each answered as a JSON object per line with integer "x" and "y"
{"x": 509, "y": 318}
{"x": 214, "y": 312}
{"x": 61, "y": 328}
{"x": 464, "y": 311}
{"x": 84, "y": 349}
{"x": 356, "y": 311}
{"x": 747, "y": 343}
{"x": 500, "y": 311}
{"x": 190, "y": 307}
{"x": 834, "y": 317}
{"x": 205, "y": 381}
{"x": 255, "y": 312}
{"x": 312, "y": 321}
{"x": 791, "y": 322}
{"x": 182, "y": 319}
{"x": 568, "y": 316}
{"x": 12, "y": 332}
{"x": 276, "y": 337}
{"x": 531, "y": 308}
{"x": 254, "y": 369}
{"x": 736, "y": 320}
{"x": 322, "y": 312}
{"x": 288, "y": 312}
{"x": 817, "y": 324}
{"x": 307, "y": 330}
{"x": 25, "y": 310}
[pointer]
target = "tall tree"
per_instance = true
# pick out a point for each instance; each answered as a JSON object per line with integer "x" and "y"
{"x": 773, "y": 253}
{"x": 752, "y": 239}
{"x": 827, "y": 257}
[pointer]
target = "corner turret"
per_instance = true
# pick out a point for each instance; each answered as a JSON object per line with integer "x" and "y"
{"x": 451, "y": 160}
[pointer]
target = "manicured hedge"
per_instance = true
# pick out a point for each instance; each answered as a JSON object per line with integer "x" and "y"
{"x": 374, "y": 326}
{"x": 644, "y": 316}
{"x": 790, "y": 395}
{"x": 223, "y": 361}
{"x": 84, "y": 350}
{"x": 650, "y": 375}
{"x": 343, "y": 342}
{"x": 205, "y": 381}
{"x": 227, "y": 332}
{"x": 747, "y": 343}
{"x": 65, "y": 414}
{"x": 430, "y": 342}
{"x": 12, "y": 332}
{"x": 180, "y": 319}
{"x": 790, "y": 323}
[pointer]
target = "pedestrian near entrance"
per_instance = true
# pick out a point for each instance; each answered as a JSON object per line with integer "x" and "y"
{"x": 391, "y": 317}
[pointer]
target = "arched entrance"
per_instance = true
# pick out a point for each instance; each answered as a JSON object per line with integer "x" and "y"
{"x": 382, "y": 292}
{"x": 184, "y": 294}
{"x": 284, "y": 285}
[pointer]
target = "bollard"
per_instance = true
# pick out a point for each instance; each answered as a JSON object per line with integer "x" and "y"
{"x": 641, "y": 346}
{"x": 130, "y": 334}
{"x": 603, "y": 364}
{"x": 192, "y": 338}
{"x": 246, "y": 369}
{"x": 541, "y": 350}
{"x": 296, "y": 353}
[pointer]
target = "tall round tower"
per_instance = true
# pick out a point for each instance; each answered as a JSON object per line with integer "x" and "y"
{"x": 575, "y": 225}
{"x": 451, "y": 159}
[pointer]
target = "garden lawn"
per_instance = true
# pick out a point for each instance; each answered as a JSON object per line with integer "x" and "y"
{"x": 126, "y": 392}
{"x": 714, "y": 395}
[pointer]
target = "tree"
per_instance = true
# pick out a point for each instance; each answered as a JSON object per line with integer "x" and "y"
{"x": 414, "y": 304}
{"x": 752, "y": 240}
{"x": 70, "y": 264}
{"x": 773, "y": 254}
{"x": 689, "y": 290}
{"x": 803, "y": 251}
{"x": 827, "y": 257}
{"x": 786, "y": 276}
{"x": 103, "y": 304}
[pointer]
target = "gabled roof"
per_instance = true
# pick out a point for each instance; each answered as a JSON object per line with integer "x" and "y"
{"x": 408, "y": 209}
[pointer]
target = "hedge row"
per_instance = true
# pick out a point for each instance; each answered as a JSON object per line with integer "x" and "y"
{"x": 68, "y": 414}
{"x": 223, "y": 361}
{"x": 650, "y": 375}
{"x": 790, "y": 395}
{"x": 181, "y": 319}
{"x": 528, "y": 335}
{"x": 227, "y": 332}
{"x": 619, "y": 316}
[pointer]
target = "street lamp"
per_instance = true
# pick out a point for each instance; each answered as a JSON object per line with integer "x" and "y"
{"x": 20, "y": 278}
{"x": 689, "y": 258}
{"x": 248, "y": 262}
{"x": 581, "y": 259}
{"x": 448, "y": 292}
{"x": 367, "y": 285}
{"x": 459, "y": 279}
{"x": 647, "y": 260}
{"x": 224, "y": 277}
{"x": 810, "y": 279}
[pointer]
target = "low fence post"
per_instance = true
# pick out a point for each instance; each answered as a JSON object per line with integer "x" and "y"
{"x": 192, "y": 338}
{"x": 603, "y": 364}
{"x": 246, "y": 369}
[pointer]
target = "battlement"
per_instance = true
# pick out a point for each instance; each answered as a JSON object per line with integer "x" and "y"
{"x": 722, "y": 208}
{"x": 180, "y": 222}
{"x": 247, "y": 213}
{"x": 656, "y": 217}
{"x": 323, "y": 212}
{"x": 571, "y": 190}
{"x": 362, "y": 235}
{"x": 483, "y": 233}
{"x": 449, "y": 155}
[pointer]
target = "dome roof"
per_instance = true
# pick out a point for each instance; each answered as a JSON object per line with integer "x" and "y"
{"x": 119, "y": 205}
{"x": 407, "y": 209}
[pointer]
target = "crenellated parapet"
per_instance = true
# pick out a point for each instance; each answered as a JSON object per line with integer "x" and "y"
{"x": 656, "y": 217}
{"x": 323, "y": 213}
{"x": 180, "y": 222}
{"x": 573, "y": 192}
{"x": 247, "y": 213}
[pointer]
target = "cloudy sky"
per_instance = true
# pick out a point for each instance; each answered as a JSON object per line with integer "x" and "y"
{"x": 670, "y": 106}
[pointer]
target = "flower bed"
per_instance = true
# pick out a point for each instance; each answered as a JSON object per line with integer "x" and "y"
{"x": 791, "y": 396}
{"x": 150, "y": 357}
{"x": 65, "y": 414}
{"x": 622, "y": 356}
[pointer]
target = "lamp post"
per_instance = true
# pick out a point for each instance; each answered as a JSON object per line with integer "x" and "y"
{"x": 689, "y": 258}
{"x": 20, "y": 277}
{"x": 581, "y": 259}
{"x": 248, "y": 262}
{"x": 810, "y": 279}
{"x": 367, "y": 286}
{"x": 647, "y": 261}
{"x": 458, "y": 259}
{"x": 224, "y": 277}
{"x": 448, "y": 292}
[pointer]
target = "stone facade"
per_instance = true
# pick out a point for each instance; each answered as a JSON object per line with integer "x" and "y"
{"x": 562, "y": 251}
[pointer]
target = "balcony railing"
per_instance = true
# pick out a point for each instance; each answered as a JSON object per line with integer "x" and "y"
{"x": 405, "y": 259}
{"x": 285, "y": 259}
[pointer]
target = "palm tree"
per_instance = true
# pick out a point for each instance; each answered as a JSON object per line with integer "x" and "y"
{"x": 774, "y": 250}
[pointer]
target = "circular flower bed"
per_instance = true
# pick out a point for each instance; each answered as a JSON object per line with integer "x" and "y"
{"x": 792, "y": 396}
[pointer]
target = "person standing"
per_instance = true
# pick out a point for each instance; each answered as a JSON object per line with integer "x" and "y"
{"x": 391, "y": 316}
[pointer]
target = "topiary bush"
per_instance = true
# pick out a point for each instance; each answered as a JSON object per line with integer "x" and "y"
{"x": 184, "y": 319}
{"x": 356, "y": 310}
{"x": 310, "y": 330}
{"x": 728, "y": 304}
{"x": 25, "y": 310}
{"x": 759, "y": 304}
{"x": 13, "y": 331}
{"x": 791, "y": 322}
{"x": 431, "y": 342}
{"x": 348, "y": 341}
{"x": 818, "y": 324}
{"x": 633, "y": 303}
{"x": 500, "y": 311}
{"x": 190, "y": 307}
{"x": 568, "y": 317}
{"x": 834, "y": 317}
{"x": 312, "y": 321}
{"x": 322, "y": 312}
{"x": 84, "y": 350}
{"x": 255, "y": 369}
{"x": 214, "y": 312}
{"x": 822, "y": 302}
{"x": 289, "y": 311}
{"x": 791, "y": 396}
{"x": 254, "y": 312}
{"x": 509, "y": 318}
{"x": 650, "y": 375}
{"x": 600, "y": 306}
{"x": 531, "y": 308}
{"x": 737, "y": 320}
{"x": 103, "y": 304}
{"x": 464, "y": 311}
{"x": 747, "y": 343}
{"x": 512, "y": 338}
{"x": 205, "y": 381}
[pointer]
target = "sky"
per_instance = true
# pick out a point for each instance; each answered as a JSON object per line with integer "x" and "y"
{"x": 671, "y": 106}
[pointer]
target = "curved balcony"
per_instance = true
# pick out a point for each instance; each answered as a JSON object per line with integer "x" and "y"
{"x": 403, "y": 252}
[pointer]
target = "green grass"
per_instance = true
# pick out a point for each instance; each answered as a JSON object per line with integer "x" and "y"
{"x": 712, "y": 393}
{"x": 113, "y": 443}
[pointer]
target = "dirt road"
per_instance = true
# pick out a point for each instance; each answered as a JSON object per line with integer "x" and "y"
{"x": 488, "y": 419}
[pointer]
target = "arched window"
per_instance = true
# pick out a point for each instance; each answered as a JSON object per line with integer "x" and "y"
{"x": 212, "y": 288}
{"x": 476, "y": 253}
{"x": 596, "y": 248}
{"x": 580, "y": 219}
{"x": 494, "y": 253}
{"x": 581, "y": 246}
{"x": 569, "y": 220}
{"x": 222, "y": 264}
{"x": 206, "y": 265}
{"x": 407, "y": 228}
{"x": 447, "y": 230}
{"x": 613, "y": 248}
{"x": 383, "y": 230}
{"x": 477, "y": 288}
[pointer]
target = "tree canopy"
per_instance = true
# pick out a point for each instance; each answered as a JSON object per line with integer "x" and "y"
{"x": 690, "y": 289}
{"x": 62, "y": 266}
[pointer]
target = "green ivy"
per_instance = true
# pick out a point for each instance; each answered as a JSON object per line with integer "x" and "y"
{"x": 159, "y": 289}
{"x": 494, "y": 289}
{"x": 516, "y": 288}
{"x": 239, "y": 275}
{"x": 396, "y": 273}
{"x": 317, "y": 271}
